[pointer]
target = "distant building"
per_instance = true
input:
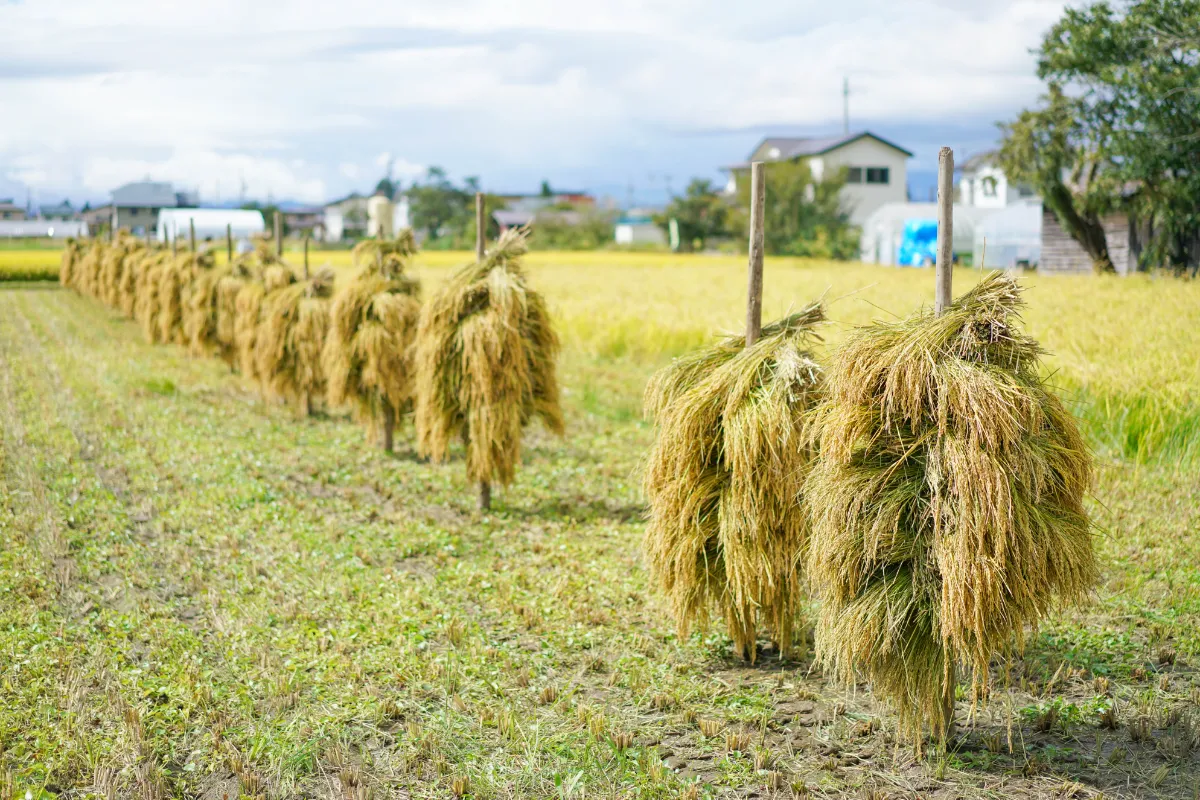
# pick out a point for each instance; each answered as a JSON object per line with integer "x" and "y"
{"x": 40, "y": 228}
{"x": 304, "y": 220}
{"x": 1062, "y": 255}
{"x": 984, "y": 185}
{"x": 135, "y": 206}
{"x": 346, "y": 218}
{"x": 1010, "y": 237}
{"x": 876, "y": 169}
{"x": 636, "y": 226}
{"x": 10, "y": 210}
{"x": 537, "y": 202}
{"x": 58, "y": 211}
{"x": 899, "y": 234}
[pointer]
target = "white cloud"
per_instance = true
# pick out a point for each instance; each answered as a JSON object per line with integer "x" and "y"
{"x": 296, "y": 96}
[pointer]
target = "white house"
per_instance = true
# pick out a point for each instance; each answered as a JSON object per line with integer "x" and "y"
{"x": 876, "y": 169}
{"x": 984, "y": 185}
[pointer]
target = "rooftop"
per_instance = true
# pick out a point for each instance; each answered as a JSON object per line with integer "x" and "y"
{"x": 785, "y": 148}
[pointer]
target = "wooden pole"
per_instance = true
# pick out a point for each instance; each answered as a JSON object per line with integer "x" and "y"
{"x": 485, "y": 488}
{"x": 758, "y": 204}
{"x": 192, "y": 234}
{"x": 174, "y": 239}
{"x": 279, "y": 234}
{"x": 480, "y": 228}
{"x": 945, "y": 230}
{"x": 306, "y": 256}
{"x": 229, "y": 242}
{"x": 112, "y": 226}
{"x": 943, "y": 278}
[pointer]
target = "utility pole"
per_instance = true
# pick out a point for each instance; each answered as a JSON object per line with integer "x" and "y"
{"x": 846, "y": 106}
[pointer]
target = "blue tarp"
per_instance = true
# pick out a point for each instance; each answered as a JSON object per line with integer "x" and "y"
{"x": 918, "y": 248}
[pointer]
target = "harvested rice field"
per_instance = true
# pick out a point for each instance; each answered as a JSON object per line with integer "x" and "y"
{"x": 203, "y": 595}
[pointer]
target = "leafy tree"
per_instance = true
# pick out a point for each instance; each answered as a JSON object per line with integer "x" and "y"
{"x": 387, "y": 186}
{"x": 701, "y": 214}
{"x": 590, "y": 230}
{"x": 546, "y": 191}
{"x": 1123, "y": 127}
{"x": 803, "y": 216}
{"x": 437, "y": 203}
{"x": 1050, "y": 149}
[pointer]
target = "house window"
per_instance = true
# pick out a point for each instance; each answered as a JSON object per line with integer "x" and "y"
{"x": 877, "y": 175}
{"x": 989, "y": 186}
{"x": 854, "y": 175}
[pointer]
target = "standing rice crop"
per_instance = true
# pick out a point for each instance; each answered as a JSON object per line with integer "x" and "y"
{"x": 368, "y": 355}
{"x": 947, "y": 503}
{"x": 291, "y": 336}
{"x": 486, "y": 356}
{"x": 725, "y": 478}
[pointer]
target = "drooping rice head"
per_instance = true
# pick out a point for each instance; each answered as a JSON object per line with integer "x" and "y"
{"x": 112, "y": 267}
{"x": 369, "y": 352}
{"x": 200, "y": 315}
{"x": 947, "y": 504}
{"x": 71, "y": 255}
{"x": 87, "y": 271}
{"x": 229, "y": 286}
{"x": 146, "y": 303}
{"x": 264, "y": 250}
{"x": 724, "y": 478}
{"x": 388, "y": 257}
{"x": 486, "y": 364}
{"x": 291, "y": 336}
{"x": 248, "y": 306}
{"x": 174, "y": 287}
{"x": 127, "y": 288}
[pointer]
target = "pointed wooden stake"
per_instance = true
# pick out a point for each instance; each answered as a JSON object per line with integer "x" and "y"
{"x": 279, "y": 234}
{"x": 229, "y": 242}
{"x": 306, "y": 256}
{"x": 192, "y": 234}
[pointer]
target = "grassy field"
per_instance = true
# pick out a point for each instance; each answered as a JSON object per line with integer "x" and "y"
{"x": 202, "y": 596}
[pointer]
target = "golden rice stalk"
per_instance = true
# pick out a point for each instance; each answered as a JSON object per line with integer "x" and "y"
{"x": 88, "y": 268}
{"x": 229, "y": 286}
{"x": 174, "y": 286}
{"x": 388, "y": 257}
{"x": 368, "y": 355}
{"x": 71, "y": 256}
{"x": 146, "y": 293}
{"x": 127, "y": 288}
{"x": 725, "y": 478}
{"x": 486, "y": 356}
{"x": 291, "y": 335}
{"x": 200, "y": 315}
{"x": 947, "y": 504}
{"x": 112, "y": 267}
{"x": 248, "y": 312}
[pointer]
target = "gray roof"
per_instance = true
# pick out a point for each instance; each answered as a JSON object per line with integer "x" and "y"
{"x": 8, "y": 205}
{"x": 145, "y": 194}
{"x": 978, "y": 161}
{"x": 805, "y": 146}
{"x": 509, "y": 218}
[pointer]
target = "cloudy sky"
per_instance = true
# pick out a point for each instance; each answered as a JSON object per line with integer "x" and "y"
{"x": 310, "y": 100}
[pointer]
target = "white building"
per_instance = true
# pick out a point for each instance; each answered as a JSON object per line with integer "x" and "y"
{"x": 883, "y": 232}
{"x": 356, "y": 216}
{"x": 210, "y": 223}
{"x": 984, "y": 185}
{"x": 1010, "y": 238}
{"x": 636, "y": 227}
{"x": 876, "y": 169}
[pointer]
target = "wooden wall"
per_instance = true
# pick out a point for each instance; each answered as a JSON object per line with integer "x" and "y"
{"x": 1062, "y": 255}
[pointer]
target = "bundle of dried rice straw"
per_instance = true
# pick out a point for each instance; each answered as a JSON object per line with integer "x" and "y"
{"x": 724, "y": 480}
{"x": 947, "y": 503}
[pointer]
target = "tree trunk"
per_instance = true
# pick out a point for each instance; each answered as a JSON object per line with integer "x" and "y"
{"x": 1084, "y": 228}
